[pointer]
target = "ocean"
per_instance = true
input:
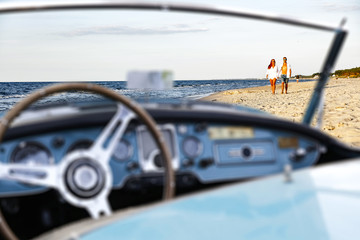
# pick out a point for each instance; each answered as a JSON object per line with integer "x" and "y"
{"x": 13, "y": 92}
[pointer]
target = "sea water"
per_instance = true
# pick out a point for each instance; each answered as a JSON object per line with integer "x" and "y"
{"x": 13, "y": 92}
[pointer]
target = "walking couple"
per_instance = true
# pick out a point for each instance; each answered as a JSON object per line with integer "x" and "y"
{"x": 273, "y": 73}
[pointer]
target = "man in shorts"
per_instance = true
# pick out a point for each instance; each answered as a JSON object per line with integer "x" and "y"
{"x": 285, "y": 74}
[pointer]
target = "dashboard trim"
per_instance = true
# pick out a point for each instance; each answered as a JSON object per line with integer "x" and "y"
{"x": 245, "y": 160}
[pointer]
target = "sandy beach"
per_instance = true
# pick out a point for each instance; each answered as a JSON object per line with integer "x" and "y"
{"x": 342, "y": 104}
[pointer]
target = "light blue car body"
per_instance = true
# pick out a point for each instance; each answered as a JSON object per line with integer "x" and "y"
{"x": 318, "y": 203}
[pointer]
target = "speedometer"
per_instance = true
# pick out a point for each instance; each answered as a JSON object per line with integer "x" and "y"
{"x": 32, "y": 153}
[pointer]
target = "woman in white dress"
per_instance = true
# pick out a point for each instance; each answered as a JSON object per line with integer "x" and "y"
{"x": 271, "y": 74}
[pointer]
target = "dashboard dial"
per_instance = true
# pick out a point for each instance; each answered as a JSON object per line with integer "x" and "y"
{"x": 192, "y": 147}
{"x": 123, "y": 151}
{"x": 80, "y": 144}
{"x": 32, "y": 153}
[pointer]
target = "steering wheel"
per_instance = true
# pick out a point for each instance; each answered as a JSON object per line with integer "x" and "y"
{"x": 83, "y": 177}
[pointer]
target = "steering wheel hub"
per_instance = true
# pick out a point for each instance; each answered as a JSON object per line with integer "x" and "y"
{"x": 84, "y": 178}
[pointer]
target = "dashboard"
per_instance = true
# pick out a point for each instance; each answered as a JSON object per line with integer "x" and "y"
{"x": 209, "y": 144}
{"x": 204, "y": 148}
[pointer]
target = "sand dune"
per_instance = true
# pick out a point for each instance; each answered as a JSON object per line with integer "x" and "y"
{"x": 342, "y": 104}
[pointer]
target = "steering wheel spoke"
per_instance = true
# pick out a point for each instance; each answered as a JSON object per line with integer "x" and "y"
{"x": 105, "y": 144}
{"x": 98, "y": 208}
{"x": 47, "y": 176}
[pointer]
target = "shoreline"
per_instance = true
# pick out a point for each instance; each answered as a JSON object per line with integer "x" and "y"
{"x": 341, "y": 111}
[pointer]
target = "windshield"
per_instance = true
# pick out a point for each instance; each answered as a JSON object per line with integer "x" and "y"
{"x": 210, "y": 57}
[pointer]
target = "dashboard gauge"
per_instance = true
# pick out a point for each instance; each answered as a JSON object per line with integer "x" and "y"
{"x": 149, "y": 154}
{"x": 123, "y": 151}
{"x": 32, "y": 153}
{"x": 81, "y": 144}
{"x": 192, "y": 147}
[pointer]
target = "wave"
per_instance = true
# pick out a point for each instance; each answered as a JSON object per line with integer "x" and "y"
{"x": 12, "y": 96}
{"x": 12, "y": 92}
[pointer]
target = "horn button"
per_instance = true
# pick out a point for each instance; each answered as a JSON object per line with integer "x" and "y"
{"x": 84, "y": 178}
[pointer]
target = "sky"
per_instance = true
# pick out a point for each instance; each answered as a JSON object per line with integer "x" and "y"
{"x": 105, "y": 45}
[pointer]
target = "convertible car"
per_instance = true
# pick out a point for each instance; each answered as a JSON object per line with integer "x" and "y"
{"x": 95, "y": 166}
